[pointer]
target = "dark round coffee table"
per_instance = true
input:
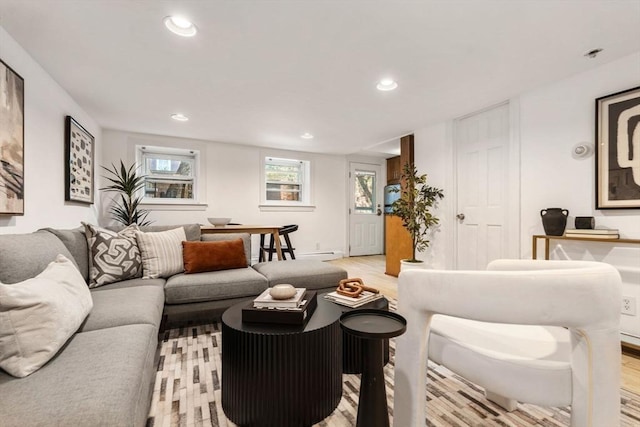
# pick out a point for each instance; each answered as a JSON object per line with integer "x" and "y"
{"x": 281, "y": 375}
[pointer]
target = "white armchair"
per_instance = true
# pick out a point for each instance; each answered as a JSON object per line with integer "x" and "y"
{"x": 553, "y": 337}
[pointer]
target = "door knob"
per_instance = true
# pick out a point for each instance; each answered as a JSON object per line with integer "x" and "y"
{"x": 460, "y": 216}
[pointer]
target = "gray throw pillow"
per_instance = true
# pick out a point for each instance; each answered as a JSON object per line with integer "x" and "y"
{"x": 112, "y": 256}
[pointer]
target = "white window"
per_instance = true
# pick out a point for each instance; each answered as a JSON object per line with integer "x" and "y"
{"x": 170, "y": 174}
{"x": 286, "y": 182}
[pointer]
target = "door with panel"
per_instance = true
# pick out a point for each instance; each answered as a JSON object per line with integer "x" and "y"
{"x": 365, "y": 209}
{"x": 482, "y": 158}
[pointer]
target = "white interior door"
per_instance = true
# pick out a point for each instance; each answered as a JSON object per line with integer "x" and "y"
{"x": 482, "y": 147}
{"x": 365, "y": 210}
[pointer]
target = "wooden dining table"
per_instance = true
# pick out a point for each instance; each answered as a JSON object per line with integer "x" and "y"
{"x": 274, "y": 230}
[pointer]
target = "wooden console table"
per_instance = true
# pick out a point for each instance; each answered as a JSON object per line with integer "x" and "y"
{"x": 534, "y": 253}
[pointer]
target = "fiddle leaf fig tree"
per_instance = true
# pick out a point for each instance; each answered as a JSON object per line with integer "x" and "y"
{"x": 127, "y": 182}
{"x": 414, "y": 207}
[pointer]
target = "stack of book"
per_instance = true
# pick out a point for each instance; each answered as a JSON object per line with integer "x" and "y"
{"x": 365, "y": 297}
{"x": 593, "y": 233}
{"x": 295, "y": 310}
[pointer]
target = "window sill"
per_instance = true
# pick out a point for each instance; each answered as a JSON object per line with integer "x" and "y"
{"x": 287, "y": 208}
{"x": 175, "y": 206}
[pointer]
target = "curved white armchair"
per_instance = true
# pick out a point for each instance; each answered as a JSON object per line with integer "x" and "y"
{"x": 553, "y": 337}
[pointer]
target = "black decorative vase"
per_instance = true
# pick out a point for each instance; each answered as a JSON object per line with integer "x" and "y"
{"x": 554, "y": 220}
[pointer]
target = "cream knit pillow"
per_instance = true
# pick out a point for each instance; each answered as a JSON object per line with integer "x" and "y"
{"x": 39, "y": 315}
{"x": 161, "y": 252}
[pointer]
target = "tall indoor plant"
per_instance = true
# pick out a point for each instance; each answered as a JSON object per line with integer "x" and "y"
{"x": 414, "y": 207}
{"x": 127, "y": 182}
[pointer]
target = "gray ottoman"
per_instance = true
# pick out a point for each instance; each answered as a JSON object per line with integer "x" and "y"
{"x": 310, "y": 274}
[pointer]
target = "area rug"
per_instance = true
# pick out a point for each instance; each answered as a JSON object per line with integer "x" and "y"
{"x": 187, "y": 391}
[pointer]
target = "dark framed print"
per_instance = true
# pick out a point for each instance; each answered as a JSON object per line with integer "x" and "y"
{"x": 79, "y": 170}
{"x": 618, "y": 150}
{"x": 11, "y": 141}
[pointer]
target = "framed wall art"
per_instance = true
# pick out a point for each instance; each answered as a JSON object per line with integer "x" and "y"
{"x": 11, "y": 141}
{"x": 79, "y": 168}
{"x": 618, "y": 150}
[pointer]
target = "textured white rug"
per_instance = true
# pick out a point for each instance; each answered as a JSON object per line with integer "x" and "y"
{"x": 187, "y": 391}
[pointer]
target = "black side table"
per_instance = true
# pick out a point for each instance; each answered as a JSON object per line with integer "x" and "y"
{"x": 373, "y": 326}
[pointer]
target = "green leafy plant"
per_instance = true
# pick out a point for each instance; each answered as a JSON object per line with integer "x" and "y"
{"x": 126, "y": 181}
{"x": 414, "y": 207}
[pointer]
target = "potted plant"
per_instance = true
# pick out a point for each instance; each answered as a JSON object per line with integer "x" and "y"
{"x": 414, "y": 208}
{"x": 126, "y": 181}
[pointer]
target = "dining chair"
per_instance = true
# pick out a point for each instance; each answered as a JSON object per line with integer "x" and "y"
{"x": 286, "y": 246}
{"x": 534, "y": 331}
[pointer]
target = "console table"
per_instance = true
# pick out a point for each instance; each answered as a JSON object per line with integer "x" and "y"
{"x": 534, "y": 252}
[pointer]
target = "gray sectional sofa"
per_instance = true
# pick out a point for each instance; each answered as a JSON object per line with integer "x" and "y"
{"x": 104, "y": 375}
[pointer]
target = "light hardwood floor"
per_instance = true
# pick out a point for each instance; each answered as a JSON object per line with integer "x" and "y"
{"x": 371, "y": 270}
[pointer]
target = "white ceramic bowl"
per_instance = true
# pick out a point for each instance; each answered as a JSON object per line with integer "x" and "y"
{"x": 282, "y": 291}
{"x": 219, "y": 222}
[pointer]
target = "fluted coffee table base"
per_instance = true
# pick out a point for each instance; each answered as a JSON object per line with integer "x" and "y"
{"x": 278, "y": 375}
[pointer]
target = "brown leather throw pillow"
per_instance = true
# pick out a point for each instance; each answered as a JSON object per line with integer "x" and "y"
{"x": 213, "y": 256}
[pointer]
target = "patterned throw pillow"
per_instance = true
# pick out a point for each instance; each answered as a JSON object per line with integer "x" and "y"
{"x": 112, "y": 256}
{"x": 161, "y": 252}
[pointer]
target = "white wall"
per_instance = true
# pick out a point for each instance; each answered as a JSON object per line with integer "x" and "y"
{"x": 552, "y": 120}
{"x": 46, "y": 105}
{"x": 231, "y": 188}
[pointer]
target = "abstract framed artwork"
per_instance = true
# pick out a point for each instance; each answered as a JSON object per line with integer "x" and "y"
{"x": 79, "y": 168}
{"x": 11, "y": 141}
{"x": 618, "y": 150}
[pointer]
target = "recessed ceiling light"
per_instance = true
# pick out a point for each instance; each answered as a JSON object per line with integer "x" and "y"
{"x": 179, "y": 117}
{"x": 306, "y": 135}
{"x": 386, "y": 85}
{"x": 180, "y": 26}
{"x": 593, "y": 53}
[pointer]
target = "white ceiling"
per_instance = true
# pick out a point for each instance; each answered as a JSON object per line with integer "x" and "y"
{"x": 264, "y": 72}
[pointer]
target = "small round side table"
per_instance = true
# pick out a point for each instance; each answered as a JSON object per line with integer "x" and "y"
{"x": 373, "y": 326}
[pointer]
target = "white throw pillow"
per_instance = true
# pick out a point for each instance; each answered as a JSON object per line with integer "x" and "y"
{"x": 39, "y": 315}
{"x": 161, "y": 252}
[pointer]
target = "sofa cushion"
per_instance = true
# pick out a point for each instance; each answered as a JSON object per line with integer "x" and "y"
{"x": 118, "y": 307}
{"x": 102, "y": 378}
{"x": 192, "y": 231}
{"x": 161, "y": 252}
{"x": 132, "y": 283}
{"x": 213, "y": 256}
{"x": 310, "y": 274}
{"x": 246, "y": 240}
{"x": 75, "y": 240}
{"x": 214, "y": 285}
{"x": 38, "y": 316}
{"x": 113, "y": 256}
{"x": 40, "y": 248}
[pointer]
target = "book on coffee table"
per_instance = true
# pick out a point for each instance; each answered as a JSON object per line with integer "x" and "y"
{"x": 364, "y": 298}
{"x": 290, "y": 316}
{"x": 265, "y": 300}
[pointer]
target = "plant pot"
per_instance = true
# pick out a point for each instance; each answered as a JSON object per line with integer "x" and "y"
{"x": 405, "y": 265}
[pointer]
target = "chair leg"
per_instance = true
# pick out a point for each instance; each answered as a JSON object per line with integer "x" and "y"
{"x": 508, "y": 404}
{"x": 289, "y": 247}
{"x": 261, "y": 254}
{"x": 271, "y": 250}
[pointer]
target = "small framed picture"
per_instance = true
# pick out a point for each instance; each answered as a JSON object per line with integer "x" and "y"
{"x": 79, "y": 168}
{"x": 618, "y": 150}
